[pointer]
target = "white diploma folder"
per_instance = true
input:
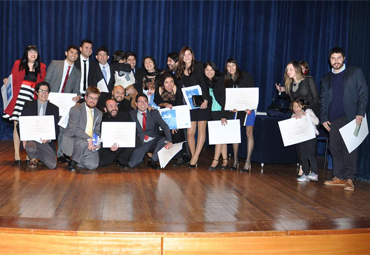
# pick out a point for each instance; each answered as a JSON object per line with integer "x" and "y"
{"x": 36, "y": 128}
{"x": 176, "y": 118}
{"x": 241, "y": 99}
{"x": 165, "y": 155}
{"x": 295, "y": 131}
{"x": 7, "y": 91}
{"x": 227, "y": 134}
{"x": 63, "y": 101}
{"x": 121, "y": 133}
{"x": 189, "y": 92}
{"x": 102, "y": 86}
{"x": 352, "y": 141}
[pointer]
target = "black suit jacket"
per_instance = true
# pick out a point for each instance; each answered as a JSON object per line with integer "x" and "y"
{"x": 153, "y": 122}
{"x": 92, "y": 66}
{"x": 30, "y": 109}
{"x": 98, "y": 75}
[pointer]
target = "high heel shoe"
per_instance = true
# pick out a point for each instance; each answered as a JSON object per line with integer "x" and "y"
{"x": 236, "y": 164}
{"x": 224, "y": 166}
{"x": 17, "y": 161}
{"x": 247, "y": 167}
{"x": 192, "y": 166}
{"x": 212, "y": 168}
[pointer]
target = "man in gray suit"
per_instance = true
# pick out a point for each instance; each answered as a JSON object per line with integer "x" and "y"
{"x": 64, "y": 77}
{"x": 83, "y": 127}
{"x": 147, "y": 129}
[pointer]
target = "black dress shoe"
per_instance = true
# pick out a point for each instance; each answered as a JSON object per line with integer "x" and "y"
{"x": 72, "y": 165}
{"x": 152, "y": 164}
{"x": 62, "y": 159}
{"x": 179, "y": 162}
{"x": 17, "y": 162}
{"x": 122, "y": 165}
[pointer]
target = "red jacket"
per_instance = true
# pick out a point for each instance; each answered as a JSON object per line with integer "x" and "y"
{"x": 18, "y": 77}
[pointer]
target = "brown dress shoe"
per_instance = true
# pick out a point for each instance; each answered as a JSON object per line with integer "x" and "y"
{"x": 33, "y": 163}
{"x": 335, "y": 181}
{"x": 349, "y": 185}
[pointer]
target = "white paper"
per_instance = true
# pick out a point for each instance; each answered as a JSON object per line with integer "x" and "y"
{"x": 241, "y": 99}
{"x": 295, "y": 131}
{"x": 121, "y": 133}
{"x": 351, "y": 141}
{"x": 188, "y": 93}
{"x": 227, "y": 134}
{"x": 63, "y": 101}
{"x": 63, "y": 122}
{"x": 36, "y": 128}
{"x": 165, "y": 155}
{"x": 176, "y": 118}
{"x": 102, "y": 86}
{"x": 7, "y": 91}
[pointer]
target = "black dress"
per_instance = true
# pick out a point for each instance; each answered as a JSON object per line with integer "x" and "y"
{"x": 197, "y": 78}
{"x": 218, "y": 89}
{"x": 246, "y": 82}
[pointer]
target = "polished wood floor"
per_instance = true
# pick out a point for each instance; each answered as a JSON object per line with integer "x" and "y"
{"x": 176, "y": 199}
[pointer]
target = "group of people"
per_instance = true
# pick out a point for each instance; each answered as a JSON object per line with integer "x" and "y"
{"x": 122, "y": 92}
{"x": 343, "y": 98}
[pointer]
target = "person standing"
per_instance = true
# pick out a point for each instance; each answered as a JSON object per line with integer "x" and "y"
{"x": 344, "y": 96}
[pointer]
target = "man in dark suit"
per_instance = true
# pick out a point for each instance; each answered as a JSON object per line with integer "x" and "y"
{"x": 45, "y": 151}
{"x": 109, "y": 155}
{"x": 85, "y": 65}
{"x": 138, "y": 72}
{"x": 83, "y": 126}
{"x": 344, "y": 97}
{"x": 63, "y": 77}
{"x": 147, "y": 130}
{"x": 172, "y": 61}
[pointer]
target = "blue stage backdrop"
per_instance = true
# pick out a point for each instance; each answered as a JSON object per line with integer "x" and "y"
{"x": 262, "y": 35}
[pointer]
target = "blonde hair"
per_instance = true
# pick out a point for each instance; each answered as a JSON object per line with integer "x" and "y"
{"x": 288, "y": 81}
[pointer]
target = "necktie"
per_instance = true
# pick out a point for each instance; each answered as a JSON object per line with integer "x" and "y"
{"x": 104, "y": 74}
{"x": 66, "y": 79}
{"x": 41, "y": 112}
{"x": 144, "y": 121}
{"x": 89, "y": 125}
{"x": 133, "y": 70}
{"x": 85, "y": 74}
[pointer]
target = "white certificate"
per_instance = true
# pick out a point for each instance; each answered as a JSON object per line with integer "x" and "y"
{"x": 63, "y": 101}
{"x": 227, "y": 134}
{"x": 295, "y": 131}
{"x": 36, "y": 128}
{"x": 102, "y": 86}
{"x": 189, "y": 92}
{"x": 121, "y": 133}
{"x": 176, "y": 118}
{"x": 7, "y": 91}
{"x": 165, "y": 155}
{"x": 63, "y": 122}
{"x": 241, "y": 99}
{"x": 347, "y": 133}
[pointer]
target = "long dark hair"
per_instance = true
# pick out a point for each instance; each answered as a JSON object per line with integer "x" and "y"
{"x": 24, "y": 60}
{"x": 181, "y": 65}
{"x": 228, "y": 80}
{"x": 211, "y": 83}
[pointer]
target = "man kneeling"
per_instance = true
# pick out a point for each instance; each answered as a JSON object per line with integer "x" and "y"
{"x": 83, "y": 125}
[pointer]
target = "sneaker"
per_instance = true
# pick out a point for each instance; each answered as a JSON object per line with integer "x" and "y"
{"x": 303, "y": 178}
{"x": 349, "y": 185}
{"x": 335, "y": 181}
{"x": 313, "y": 177}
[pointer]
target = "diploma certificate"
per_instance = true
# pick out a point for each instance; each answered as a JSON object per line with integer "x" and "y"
{"x": 63, "y": 101}
{"x": 176, "y": 118}
{"x": 121, "y": 133}
{"x": 189, "y": 92}
{"x": 352, "y": 141}
{"x": 227, "y": 134}
{"x": 241, "y": 99}
{"x": 295, "y": 131}
{"x": 36, "y": 128}
{"x": 165, "y": 155}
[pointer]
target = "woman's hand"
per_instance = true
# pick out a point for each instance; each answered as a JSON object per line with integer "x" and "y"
{"x": 204, "y": 104}
{"x": 174, "y": 131}
{"x": 167, "y": 105}
{"x": 223, "y": 121}
{"x": 279, "y": 88}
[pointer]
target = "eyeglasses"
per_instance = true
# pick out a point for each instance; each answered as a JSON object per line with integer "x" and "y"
{"x": 43, "y": 91}
{"x": 93, "y": 98}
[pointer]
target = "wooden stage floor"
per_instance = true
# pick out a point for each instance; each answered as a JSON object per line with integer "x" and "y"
{"x": 176, "y": 200}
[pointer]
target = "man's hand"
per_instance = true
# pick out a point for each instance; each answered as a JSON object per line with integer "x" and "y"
{"x": 359, "y": 119}
{"x": 90, "y": 146}
{"x": 326, "y": 125}
{"x": 168, "y": 145}
{"x": 76, "y": 99}
{"x": 114, "y": 147}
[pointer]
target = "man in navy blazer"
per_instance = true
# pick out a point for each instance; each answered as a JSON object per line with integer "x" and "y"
{"x": 344, "y": 97}
{"x": 45, "y": 151}
{"x": 147, "y": 130}
{"x": 78, "y": 136}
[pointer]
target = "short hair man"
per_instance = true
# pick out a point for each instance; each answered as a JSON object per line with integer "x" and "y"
{"x": 172, "y": 61}
{"x": 45, "y": 151}
{"x": 63, "y": 77}
{"x": 147, "y": 130}
{"x": 120, "y": 155}
{"x": 84, "y": 122}
{"x": 118, "y": 94}
{"x": 344, "y": 97}
{"x": 138, "y": 72}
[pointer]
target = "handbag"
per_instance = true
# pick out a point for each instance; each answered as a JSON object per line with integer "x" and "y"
{"x": 278, "y": 108}
{"x": 197, "y": 100}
